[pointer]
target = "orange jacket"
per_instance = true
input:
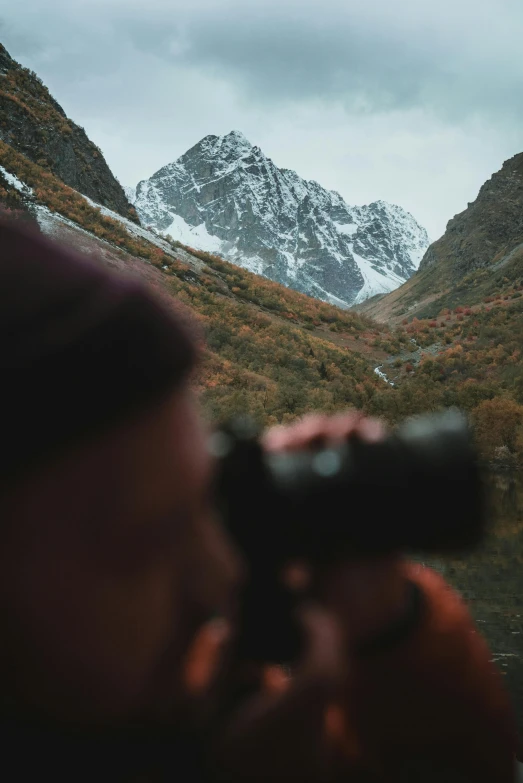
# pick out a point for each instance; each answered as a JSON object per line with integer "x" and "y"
{"x": 432, "y": 708}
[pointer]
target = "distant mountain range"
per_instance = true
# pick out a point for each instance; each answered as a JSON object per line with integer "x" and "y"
{"x": 227, "y": 197}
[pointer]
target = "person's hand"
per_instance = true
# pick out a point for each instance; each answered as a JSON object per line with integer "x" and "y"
{"x": 365, "y": 594}
{"x": 282, "y": 732}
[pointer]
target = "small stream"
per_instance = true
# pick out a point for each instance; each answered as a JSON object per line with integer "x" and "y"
{"x": 382, "y": 375}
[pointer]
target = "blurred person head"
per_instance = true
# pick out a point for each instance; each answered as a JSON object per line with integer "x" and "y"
{"x": 111, "y": 558}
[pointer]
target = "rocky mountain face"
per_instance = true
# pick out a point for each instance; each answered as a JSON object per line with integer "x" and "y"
{"x": 33, "y": 123}
{"x": 225, "y": 196}
{"x": 479, "y": 256}
{"x": 488, "y": 229}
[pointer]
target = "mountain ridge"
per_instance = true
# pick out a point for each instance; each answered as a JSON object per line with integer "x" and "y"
{"x": 464, "y": 265}
{"x": 34, "y": 123}
{"x": 490, "y": 225}
{"x": 224, "y": 195}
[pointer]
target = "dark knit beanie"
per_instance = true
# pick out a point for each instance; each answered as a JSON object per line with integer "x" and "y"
{"x": 81, "y": 349}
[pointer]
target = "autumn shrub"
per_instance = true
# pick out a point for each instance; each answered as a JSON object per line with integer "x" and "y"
{"x": 498, "y": 423}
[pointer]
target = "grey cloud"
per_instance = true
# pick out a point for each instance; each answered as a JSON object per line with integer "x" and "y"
{"x": 457, "y": 59}
{"x": 362, "y": 95}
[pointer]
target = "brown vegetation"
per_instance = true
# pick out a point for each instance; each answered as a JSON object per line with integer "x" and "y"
{"x": 278, "y": 354}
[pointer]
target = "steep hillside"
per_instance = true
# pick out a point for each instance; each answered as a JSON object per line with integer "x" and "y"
{"x": 478, "y": 256}
{"x": 226, "y": 196}
{"x": 488, "y": 229}
{"x": 278, "y": 354}
{"x": 271, "y": 351}
{"x": 33, "y": 123}
{"x": 463, "y": 312}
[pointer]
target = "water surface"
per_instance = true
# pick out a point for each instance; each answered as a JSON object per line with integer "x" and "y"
{"x": 491, "y": 580}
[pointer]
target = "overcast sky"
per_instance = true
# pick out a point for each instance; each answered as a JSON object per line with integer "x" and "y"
{"x": 410, "y": 101}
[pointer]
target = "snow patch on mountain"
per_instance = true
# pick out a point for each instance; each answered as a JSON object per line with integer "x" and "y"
{"x": 130, "y": 193}
{"x": 225, "y": 196}
{"x": 375, "y": 282}
{"x": 194, "y": 236}
{"x": 16, "y": 183}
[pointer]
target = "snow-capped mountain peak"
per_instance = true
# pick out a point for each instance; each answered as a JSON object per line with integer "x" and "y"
{"x": 225, "y": 196}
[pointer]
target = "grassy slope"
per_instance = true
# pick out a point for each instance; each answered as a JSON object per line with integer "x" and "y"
{"x": 467, "y": 338}
{"x": 429, "y": 291}
{"x": 271, "y": 351}
{"x": 277, "y": 354}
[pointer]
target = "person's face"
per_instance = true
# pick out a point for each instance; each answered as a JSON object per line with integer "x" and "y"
{"x": 110, "y": 561}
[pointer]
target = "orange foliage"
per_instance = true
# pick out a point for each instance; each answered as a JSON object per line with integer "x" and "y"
{"x": 498, "y": 424}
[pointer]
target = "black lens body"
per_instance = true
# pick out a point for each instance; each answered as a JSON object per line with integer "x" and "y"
{"x": 419, "y": 489}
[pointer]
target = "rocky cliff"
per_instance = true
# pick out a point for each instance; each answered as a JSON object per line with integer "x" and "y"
{"x": 488, "y": 229}
{"x": 34, "y": 124}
